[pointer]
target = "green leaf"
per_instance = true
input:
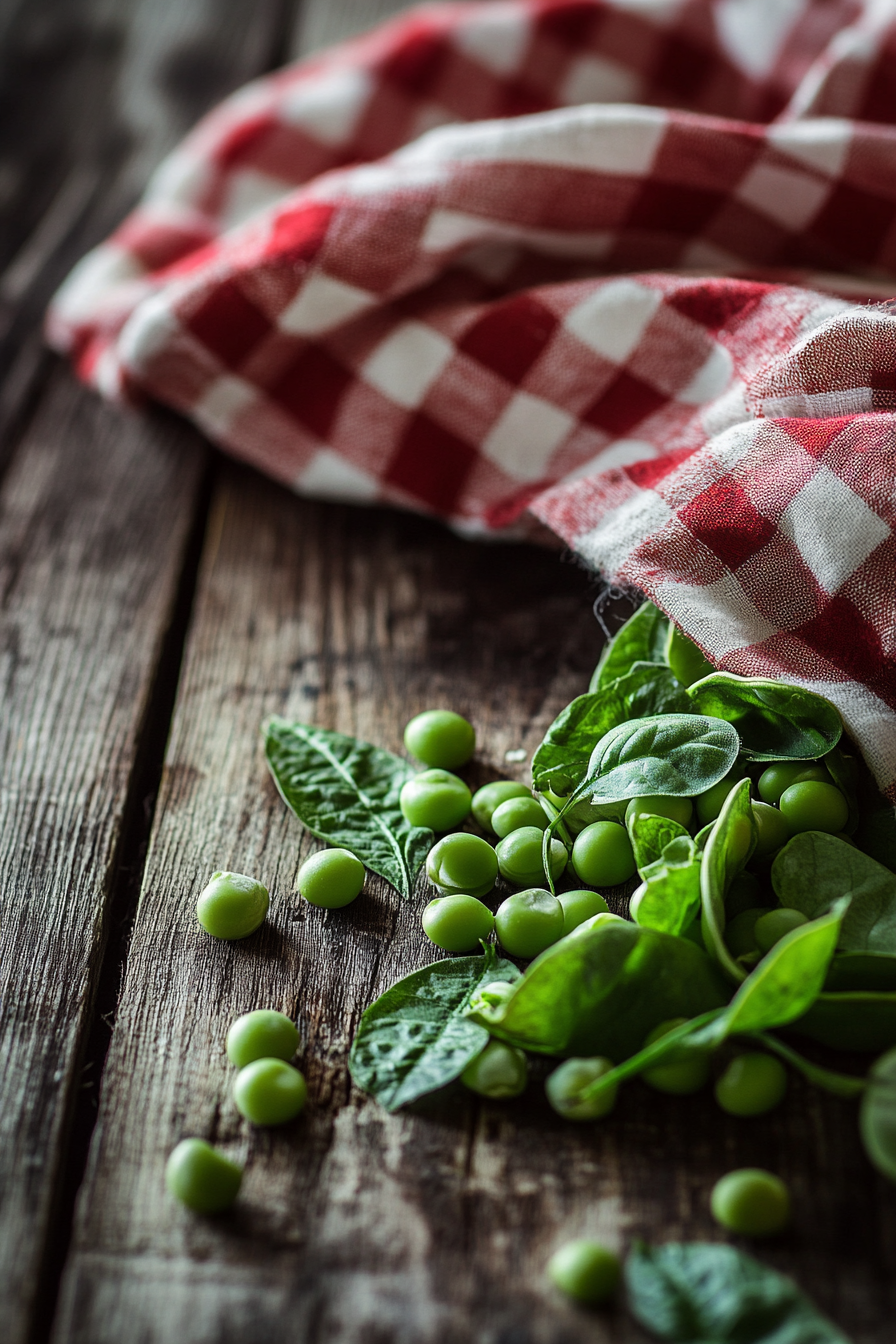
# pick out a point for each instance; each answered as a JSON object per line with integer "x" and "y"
{"x": 813, "y": 869}
{"x": 650, "y": 835}
{"x": 599, "y": 992}
{"x": 669, "y": 895}
{"x": 641, "y": 640}
{"x": 876, "y": 832}
{"x": 346, "y": 792}
{"x": 416, "y": 1038}
{"x": 776, "y": 722}
{"x": 857, "y": 1020}
{"x": 561, "y": 761}
{"x": 730, "y": 844}
{"x": 844, "y": 771}
{"x": 706, "y": 1292}
{"x": 677, "y": 755}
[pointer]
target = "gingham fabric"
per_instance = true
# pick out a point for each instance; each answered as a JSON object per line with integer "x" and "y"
{"x": 568, "y": 263}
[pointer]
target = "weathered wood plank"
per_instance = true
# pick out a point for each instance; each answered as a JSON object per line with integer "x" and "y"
{"x": 95, "y": 514}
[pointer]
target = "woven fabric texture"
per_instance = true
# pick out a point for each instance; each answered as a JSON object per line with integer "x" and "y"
{"x": 604, "y": 267}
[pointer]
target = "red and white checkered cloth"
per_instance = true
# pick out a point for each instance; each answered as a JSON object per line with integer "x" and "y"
{"x": 475, "y": 264}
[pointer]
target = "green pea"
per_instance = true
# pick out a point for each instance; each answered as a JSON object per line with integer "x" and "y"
{"x": 772, "y": 830}
{"x": 435, "y": 799}
{"x": 752, "y": 1084}
{"x": 740, "y": 935}
{"x": 685, "y": 1071}
{"x": 656, "y": 805}
{"x": 877, "y": 1117}
{"x": 269, "y": 1092}
{"x": 579, "y": 906}
{"x": 780, "y": 776}
{"x": 596, "y": 921}
{"x": 441, "y": 738}
{"x": 814, "y": 807}
{"x": 457, "y": 923}
{"x": 519, "y": 857}
{"x": 516, "y": 812}
{"x": 565, "y": 1085}
{"x": 463, "y": 864}
{"x": 499, "y": 1072}
{"x": 685, "y": 658}
{"x": 491, "y": 796}
{"x": 529, "y": 922}
{"x": 603, "y": 855}
{"x": 751, "y": 1202}
{"x": 232, "y": 905}
{"x": 263, "y": 1034}
{"x": 201, "y": 1177}
{"x": 331, "y": 879}
{"x": 586, "y": 1271}
{"x": 710, "y": 803}
{"x": 774, "y": 925}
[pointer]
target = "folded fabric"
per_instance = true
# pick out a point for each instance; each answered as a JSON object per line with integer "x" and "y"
{"x": 602, "y": 267}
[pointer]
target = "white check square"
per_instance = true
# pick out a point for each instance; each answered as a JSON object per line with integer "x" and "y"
{"x": 613, "y": 319}
{"x": 407, "y": 363}
{"x": 832, "y": 528}
{"x": 526, "y": 435}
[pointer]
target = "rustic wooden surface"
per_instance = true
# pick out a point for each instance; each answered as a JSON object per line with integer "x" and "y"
{"x": 355, "y": 1227}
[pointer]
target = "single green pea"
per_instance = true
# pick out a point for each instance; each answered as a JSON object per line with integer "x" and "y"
{"x": 201, "y": 1177}
{"x": 566, "y": 1084}
{"x": 686, "y": 660}
{"x": 331, "y": 879}
{"x": 813, "y": 806}
{"x": 579, "y": 906}
{"x": 499, "y": 1072}
{"x": 656, "y": 805}
{"x": 516, "y": 812}
{"x": 520, "y": 861}
{"x": 441, "y": 738}
{"x": 774, "y": 925}
{"x": 740, "y": 935}
{"x": 491, "y": 796}
{"x": 710, "y": 803}
{"x": 262, "y": 1034}
{"x": 269, "y": 1092}
{"x": 586, "y": 1271}
{"x": 780, "y": 776}
{"x": 877, "y": 1117}
{"x": 436, "y": 800}
{"x": 603, "y": 855}
{"x": 772, "y": 830}
{"x": 685, "y": 1071}
{"x": 528, "y": 922}
{"x": 463, "y": 864}
{"x": 232, "y": 905}
{"x": 752, "y": 1084}
{"x": 751, "y": 1202}
{"x": 457, "y": 923}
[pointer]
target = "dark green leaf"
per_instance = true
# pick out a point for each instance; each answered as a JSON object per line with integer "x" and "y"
{"x": 673, "y": 754}
{"x": 776, "y": 722}
{"x": 858, "y": 1020}
{"x": 416, "y": 1038}
{"x": 346, "y": 792}
{"x": 650, "y": 835}
{"x": 861, "y": 972}
{"x": 876, "y": 832}
{"x": 730, "y": 844}
{"x": 599, "y": 992}
{"x": 669, "y": 896}
{"x": 561, "y": 761}
{"x": 844, "y": 771}
{"x": 641, "y": 640}
{"x": 716, "y": 1294}
{"x": 813, "y": 869}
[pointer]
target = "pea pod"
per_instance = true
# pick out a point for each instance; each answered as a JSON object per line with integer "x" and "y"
{"x": 728, "y": 847}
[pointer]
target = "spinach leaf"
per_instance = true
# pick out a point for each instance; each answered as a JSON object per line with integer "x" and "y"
{"x": 600, "y": 991}
{"x": 776, "y": 722}
{"x": 876, "y": 832}
{"x": 561, "y": 761}
{"x": 415, "y": 1037}
{"x": 858, "y": 1020}
{"x": 641, "y": 640}
{"x": 669, "y": 896}
{"x": 860, "y": 972}
{"x": 844, "y": 771}
{"x": 814, "y": 868}
{"x": 710, "y": 1292}
{"x": 346, "y": 792}
{"x": 730, "y": 844}
{"x": 674, "y": 754}
{"x": 650, "y": 835}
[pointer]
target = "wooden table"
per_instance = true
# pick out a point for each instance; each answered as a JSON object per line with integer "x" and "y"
{"x": 158, "y": 602}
